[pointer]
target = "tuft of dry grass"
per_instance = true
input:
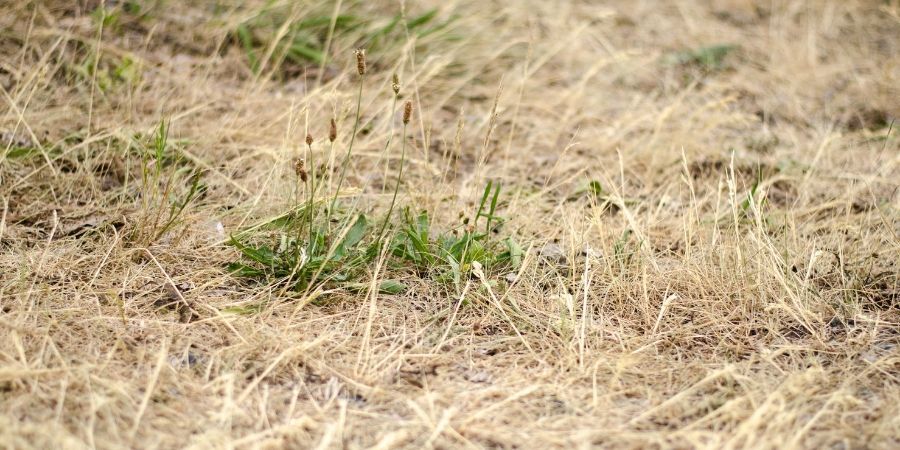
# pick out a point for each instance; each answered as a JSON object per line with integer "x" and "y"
{"x": 705, "y": 194}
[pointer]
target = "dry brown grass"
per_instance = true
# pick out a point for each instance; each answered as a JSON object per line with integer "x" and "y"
{"x": 713, "y": 324}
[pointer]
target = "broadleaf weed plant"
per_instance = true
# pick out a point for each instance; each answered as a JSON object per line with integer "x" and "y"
{"x": 310, "y": 251}
{"x": 451, "y": 256}
{"x": 319, "y": 245}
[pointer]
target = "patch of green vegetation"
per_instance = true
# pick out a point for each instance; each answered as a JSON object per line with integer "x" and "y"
{"x": 167, "y": 185}
{"x": 306, "y": 38}
{"x": 710, "y": 58}
{"x": 15, "y": 152}
{"x": 106, "y": 70}
{"x": 114, "y": 15}
{"x": 600, "y": 198}
{"x": 245, "y": 310}
{"x": 303, "y": 263}
{"x": 106, "y": 18}
{"x": 626, "y": 250}
{"x": 18, "y": 148}
{"x": 450, "y": 256}
{"x": 305, "y": 260}
{"x": 303, "y": 42}
{"x": 109, "y": 72}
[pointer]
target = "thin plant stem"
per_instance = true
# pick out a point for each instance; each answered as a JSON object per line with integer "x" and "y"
{"x": 300, "y": 187}
{"x": 396, "y": 185}
{"x": 390, "y": 138}
{"x": 311, "y": 198}
{"x": 346, "y": 160}
{"x": 329, "y": 168}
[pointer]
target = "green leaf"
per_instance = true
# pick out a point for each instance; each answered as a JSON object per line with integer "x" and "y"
{"x": 160, "y": 141}
{"x": 441, "y": 27}
{"x": 391, "y": 287}
{"x": 132, "y": 7}
{"x": 353, "y": 236}
{"x": 422, "y": 20}
{"x": 493, "y": 209}
{"x": 262, "y": 255}
{"x": 420, "y": 245}
{"x": 475, "y": 252}
{"x": 341, "y": 21}
{"x": 710, "y": 57}
{"x": 713, "y": 56}
{"x": 299, "y": 52}
{"x": 341, "y": 277}
{"x": 515, "y": 252}
{"x": 246, "y": 38}
{"x": 422, "y": 225}
{"x": 454, "y": 270}
{"x": 127, "y": 71}
{"x": 242, "y": 310}
{"x": 245, "y": 271}
{"x": 384, "y": 30}
{"x": 22, "y": 152}
{"x": 484, "y": 197}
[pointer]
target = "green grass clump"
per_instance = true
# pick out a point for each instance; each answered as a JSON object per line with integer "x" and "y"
{"x": 167, "y": 186}
{"x": 303, "y": 261}
{"x": 451, "y": 256}
{"x": 304, "y": 37}
{"x": 310, "y": 252}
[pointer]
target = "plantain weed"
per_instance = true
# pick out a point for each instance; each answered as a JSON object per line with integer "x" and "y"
{"x": 449, "y": 256}
{"x": 305, "y": 264}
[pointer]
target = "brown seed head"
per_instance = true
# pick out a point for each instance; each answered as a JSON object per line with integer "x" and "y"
{"x": 407, "y": 112}
{"x": 300, "y": 169}
{"x": 332, "y": 132}
{"x": 395, "y": 84}
{"x": 361, "y": 61}
{"x": 309, "y": 139}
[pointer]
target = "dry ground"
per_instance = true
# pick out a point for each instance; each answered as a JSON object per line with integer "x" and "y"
{"x": 733, "y": 285}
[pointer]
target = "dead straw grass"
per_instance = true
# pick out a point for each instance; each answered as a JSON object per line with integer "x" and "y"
{"x": 664, "y": 311}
